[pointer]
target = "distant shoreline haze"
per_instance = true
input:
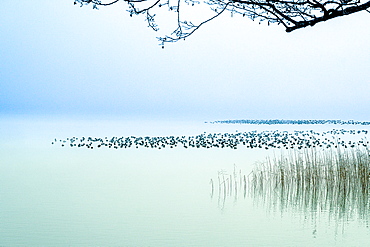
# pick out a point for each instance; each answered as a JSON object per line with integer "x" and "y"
{"x": 282, "y": 121}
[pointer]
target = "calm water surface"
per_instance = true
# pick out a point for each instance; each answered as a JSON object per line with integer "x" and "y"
{"x": 54, "y": 196}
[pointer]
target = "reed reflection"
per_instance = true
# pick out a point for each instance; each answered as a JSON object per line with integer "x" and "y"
{"x": 311, "y": 182}
{"x": 229, "y": 186}
{"x": 335, "y": 181}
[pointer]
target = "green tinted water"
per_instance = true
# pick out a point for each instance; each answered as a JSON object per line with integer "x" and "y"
{"x": 53, "y": 196}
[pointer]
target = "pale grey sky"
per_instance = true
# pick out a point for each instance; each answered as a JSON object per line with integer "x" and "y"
{"x": 57, "y": 58}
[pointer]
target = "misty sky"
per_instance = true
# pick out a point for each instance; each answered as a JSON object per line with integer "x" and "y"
{"x": 60, "y": 59}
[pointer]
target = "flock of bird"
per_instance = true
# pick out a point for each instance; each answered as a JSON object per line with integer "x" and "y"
{"x": 252, "y": 139}
{"x": 282, "y": 121}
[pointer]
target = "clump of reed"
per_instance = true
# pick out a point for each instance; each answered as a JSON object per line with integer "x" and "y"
{"x": 229, "y": 185}
{"x": 335, "y": 180}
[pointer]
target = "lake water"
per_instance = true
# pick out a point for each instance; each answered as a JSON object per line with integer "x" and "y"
{"x": 62, "y": 196}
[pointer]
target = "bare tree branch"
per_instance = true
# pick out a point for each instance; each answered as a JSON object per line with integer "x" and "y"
{"x": 333, "y": 14}
{"x": 292, "y": 14}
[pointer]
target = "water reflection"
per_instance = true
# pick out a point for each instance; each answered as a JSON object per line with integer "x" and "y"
{"x": 312, "y": 183}
{"x": 229, "y": 186}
